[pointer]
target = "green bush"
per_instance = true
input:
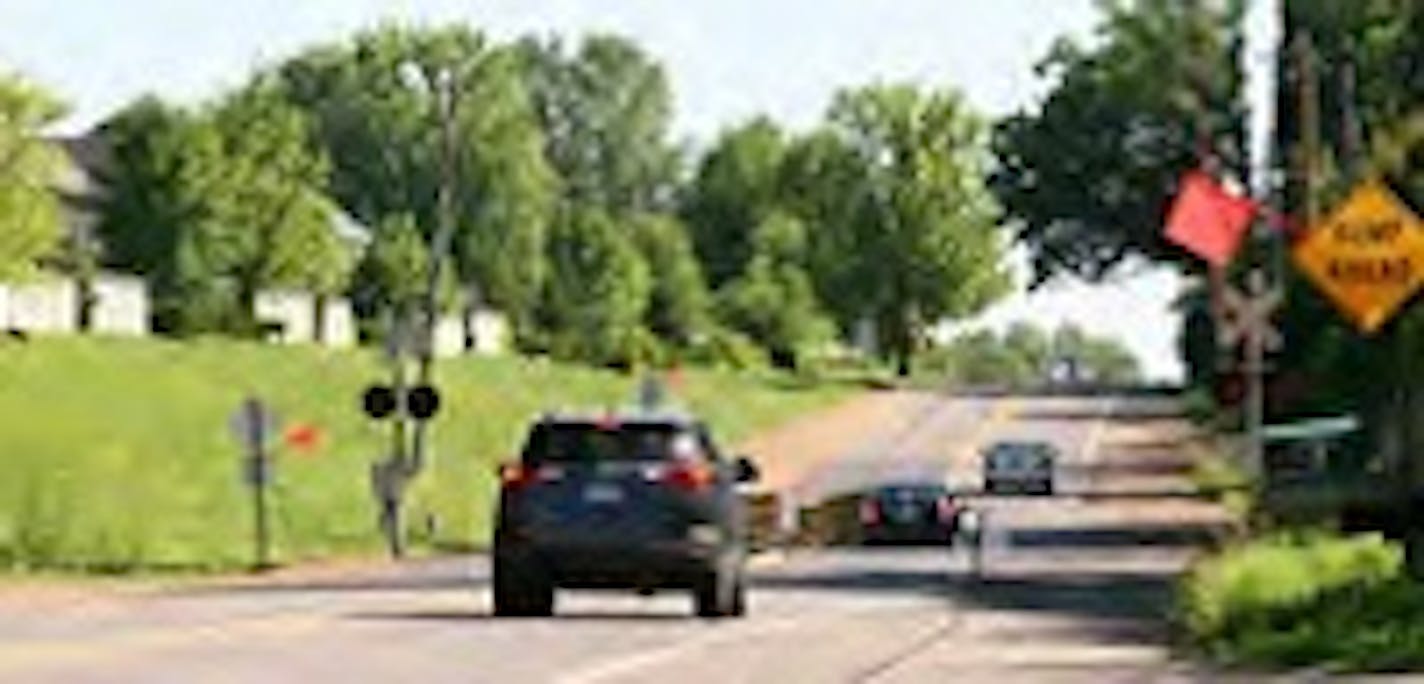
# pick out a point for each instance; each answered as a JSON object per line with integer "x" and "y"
{"x": 1364, "y": 627}
{"x": 1305, "y": 598}
{"x": 1243, "y": 583}
{"x": 1218, "y": 475}
{"x": 1200, "y": 405}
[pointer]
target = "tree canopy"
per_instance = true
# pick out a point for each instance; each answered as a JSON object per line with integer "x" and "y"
{"x": 572, "y": 211}
{"x": 217, "y": 204}
{"x": 29, "y": 170}
{"x": 921, "y": 234}
{"x": 1086, "y": 177}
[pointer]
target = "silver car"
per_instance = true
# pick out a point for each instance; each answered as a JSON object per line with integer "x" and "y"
{"x": 1019, "y": 468}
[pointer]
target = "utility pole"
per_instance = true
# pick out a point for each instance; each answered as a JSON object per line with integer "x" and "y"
{"x": 412, "y": 405}
{"x": 445, "y": 90}
{"x": 1308, "y": 119}
{"x": 1264, "y": 19}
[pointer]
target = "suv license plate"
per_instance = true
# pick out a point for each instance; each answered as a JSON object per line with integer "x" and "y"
{"x": 602, "y": 493}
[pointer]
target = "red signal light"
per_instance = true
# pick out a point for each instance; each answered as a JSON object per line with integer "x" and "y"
{"x": 869, "y": 512}
{"x": 946, "y": 509}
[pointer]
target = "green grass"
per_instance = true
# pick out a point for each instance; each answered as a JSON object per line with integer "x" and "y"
{"x": 1218, "y": 475}
{"x": 115, "y": 454}
{"x": 1298, "y": 600}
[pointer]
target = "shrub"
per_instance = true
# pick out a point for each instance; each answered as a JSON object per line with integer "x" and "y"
{"x": 1292, "y": 599}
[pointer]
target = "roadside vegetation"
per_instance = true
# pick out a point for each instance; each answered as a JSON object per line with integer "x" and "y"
{"x": 118, "y": 457}
{"x": 607, "y": 245}
{"x": 1155, "y": 93}
{"x": 1026, "y": 355}
{"x": 1305, "y": 599}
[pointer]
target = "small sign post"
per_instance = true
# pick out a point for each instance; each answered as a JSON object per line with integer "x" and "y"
{"x": 254, "y": 424}
{"x": 651, "y": 393}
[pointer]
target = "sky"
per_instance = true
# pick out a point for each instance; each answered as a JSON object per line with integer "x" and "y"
{"x": 727, "y": 60}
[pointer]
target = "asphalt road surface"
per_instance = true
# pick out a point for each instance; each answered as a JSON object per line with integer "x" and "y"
{"x": 1073, "y": 589}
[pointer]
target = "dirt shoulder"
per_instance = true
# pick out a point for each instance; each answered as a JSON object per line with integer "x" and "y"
{"x": 791, "y": 452}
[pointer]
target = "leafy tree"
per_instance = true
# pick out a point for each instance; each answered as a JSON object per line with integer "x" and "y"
{"x": 920, "y": 238}
{"x": 1021, "y": 357}
{"x": 679, "y": 308}
{"x": 822, "y": 181}
{"x": 598, "y": 292}
{"x": 380, "y": 128}
{"x": 162, "y": 214}
{"x": 980, "y": 358}
{"x": 1101, "y": 359}
{"x": 395, "y": 270}
{"x": 511, "y": 190}
{"x": 1030, "y": 343}
{"x": 605, "y": 111}
{"x": 774, "y": 300}
{"x": 217, "y": 205}
{"x": 29, "y": 166}
{"x": 276, "y": 204}
{"x": 1086, "y": 178}
{"x": 737, "y": 185}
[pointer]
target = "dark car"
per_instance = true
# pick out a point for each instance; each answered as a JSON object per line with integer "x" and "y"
{"x": 1020, "y": 468}
{"x": 631, "y": 501}
{"x": 909, "y": 513}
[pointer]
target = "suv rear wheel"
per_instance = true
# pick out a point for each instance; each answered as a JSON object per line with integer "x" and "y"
{"x": 720, "y": 593}
{"x": 522, "y": 590}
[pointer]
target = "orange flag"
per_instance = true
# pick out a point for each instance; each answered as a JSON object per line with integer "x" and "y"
{"x": 1208, "y": 221}
{"x": 303, "y": 437}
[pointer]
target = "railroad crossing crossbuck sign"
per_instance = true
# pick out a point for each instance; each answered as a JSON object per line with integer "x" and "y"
{"x": 1247, "y": 316}
{"x": 1367, "y": 257}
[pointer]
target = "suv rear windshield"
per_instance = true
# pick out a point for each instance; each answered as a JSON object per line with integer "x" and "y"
{"x": 1012, "y": 457}
{"x": 912, "y": 493}
{"x": 588, "y": 442}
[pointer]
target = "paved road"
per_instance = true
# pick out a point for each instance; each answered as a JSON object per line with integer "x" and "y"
{"x": 1073, "y": 591}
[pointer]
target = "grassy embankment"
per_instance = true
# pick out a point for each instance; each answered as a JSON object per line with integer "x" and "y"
{"x": 116, "y": 454}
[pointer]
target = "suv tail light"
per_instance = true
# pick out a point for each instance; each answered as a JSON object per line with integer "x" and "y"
{"x": 946, "y": 509}
{"x": 869, "y": 512}
{"x": 689, "y": 477}
{"x": 515, "y": 476}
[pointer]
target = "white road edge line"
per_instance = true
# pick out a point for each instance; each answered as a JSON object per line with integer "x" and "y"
{"x": 1091, "y": 451}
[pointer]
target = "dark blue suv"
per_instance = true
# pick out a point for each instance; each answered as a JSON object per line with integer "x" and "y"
{"x": 631, "y": 501}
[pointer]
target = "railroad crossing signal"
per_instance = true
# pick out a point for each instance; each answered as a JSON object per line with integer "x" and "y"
{"x": 1367, "y": 256}
{"x": 1247, "y": 316}
{"x": 380, "y": 402}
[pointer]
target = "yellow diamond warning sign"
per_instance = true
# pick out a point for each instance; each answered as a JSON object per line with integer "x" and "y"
{"x": 1367, "y": 256}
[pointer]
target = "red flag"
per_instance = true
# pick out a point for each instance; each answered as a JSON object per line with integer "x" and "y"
{"x": 1207, "y": 220}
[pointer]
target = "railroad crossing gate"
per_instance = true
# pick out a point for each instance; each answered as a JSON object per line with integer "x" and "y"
{"x": 1367, "y": 256}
